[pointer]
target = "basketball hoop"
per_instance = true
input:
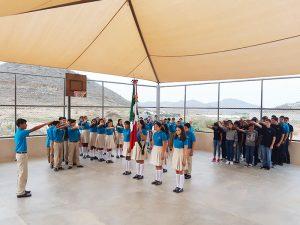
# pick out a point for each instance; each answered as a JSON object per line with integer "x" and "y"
{"x": 80, "y": 94}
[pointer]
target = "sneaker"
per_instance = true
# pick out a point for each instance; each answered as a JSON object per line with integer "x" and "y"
{"x": 250, "y": 165}
{"x": 27, "y": 192}
{"x": 55, "y": 169}
{"x": 158, "y": 183}
{"x": 101, "y": 160}
{"x": 154, "y": 182}
{"x": 213, "y": 160}
{"x": 60, "y": 168}
{"x": 140, "y": 177}
{"x": 110, "y": 161}
{"x": 231, "y": 163}
{"x": 227, "y": 162}
{"x": 70, "y": 167}
{"x": 96, "y": 158}
{"x": 79, "y": 166}
{"x": 135, "y": 176}
{"x": 112, "y": 155}
{"x": 117, "y": 157}
{"x": 81, "y": 154}
{"x": 91, "y": 158}
{"x": 51, "y": 166}
{"x": 84, "y": 157}
{"x": 179, "y": 190}
{"x": 25, "y": 195}
{"x": 122, "y": 156}
{"x": 165, "y": 170}
{"x": 176, "y": 189}
{"x": 187, "y": 176}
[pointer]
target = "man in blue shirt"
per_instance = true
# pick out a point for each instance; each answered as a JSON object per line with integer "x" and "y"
{"x": 191, "y": 139}
{"x": 21, "y": 155}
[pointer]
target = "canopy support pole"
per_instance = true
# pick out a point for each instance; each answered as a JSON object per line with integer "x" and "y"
{"x": 142, "y": 38}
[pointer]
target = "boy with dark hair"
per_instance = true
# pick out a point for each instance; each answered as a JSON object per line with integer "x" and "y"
{"x": 277, "y": 153}
{"x": 286, "y": 131}
{"x": 73, "y": 144}
{"x": 21, "y": 155}
{"x": 191, "y": 139}
{"x": 267, "y": 142}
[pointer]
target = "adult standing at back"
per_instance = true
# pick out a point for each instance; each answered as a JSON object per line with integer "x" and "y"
{"x": 21, "y": 155}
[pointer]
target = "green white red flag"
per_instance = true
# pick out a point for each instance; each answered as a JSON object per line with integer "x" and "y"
{"x": 134, "y": 115}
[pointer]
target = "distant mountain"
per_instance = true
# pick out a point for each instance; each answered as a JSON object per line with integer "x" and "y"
{"x": 33, "y": 89}
{"x": 295, "y": 105}
{"x": 227, "y": 103}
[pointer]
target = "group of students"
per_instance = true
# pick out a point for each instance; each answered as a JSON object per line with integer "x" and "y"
{"x": 253, "y": 141}
{"x": 96, "y": 139}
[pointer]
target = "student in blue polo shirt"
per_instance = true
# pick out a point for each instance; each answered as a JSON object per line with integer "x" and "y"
{"x": 139, "y": 152}
{"x": 179, "y": 159}
{"x": 119, "y": 138}
{"x": 49, "y": 144}
{"x": 109, "y": 140}
{"x": 73, "y": 144}
{"x": 191, "y": 144}
{"x": 100, "y": 141}
{"x": 58, "y": 145}
{"x": 92, "y": 141}
{"x": 158, "y": 154}
{"x": 21, "y": 155}
{"x": 126, "y": 148}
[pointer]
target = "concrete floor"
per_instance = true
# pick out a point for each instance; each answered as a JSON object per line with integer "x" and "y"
{"x": 99, "y": 194}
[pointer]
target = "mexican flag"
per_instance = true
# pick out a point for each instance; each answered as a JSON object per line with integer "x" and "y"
{"x": 134, "y": 115}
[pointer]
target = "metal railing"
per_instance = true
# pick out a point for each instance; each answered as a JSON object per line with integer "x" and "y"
{"x": 61, "y": 105}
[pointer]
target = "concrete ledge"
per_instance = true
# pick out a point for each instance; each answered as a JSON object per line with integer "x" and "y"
{"x": 36, "y": 148}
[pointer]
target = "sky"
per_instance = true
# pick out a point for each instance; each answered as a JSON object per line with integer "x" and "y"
{"x": 276, "y": 92}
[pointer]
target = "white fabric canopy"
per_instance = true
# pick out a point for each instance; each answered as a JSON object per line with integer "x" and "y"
{"x": 158, "y": 40}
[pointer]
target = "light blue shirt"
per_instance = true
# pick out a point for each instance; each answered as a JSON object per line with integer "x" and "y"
{"x": 74, "y": 134}
{"x": 179, "y": 143}
{"x": 109, "y": 131}
{"x": 190, "y": 136}
{"x": 20, "y": 140}
{"x": 120, "y": 129}
{"x": 144, "y": 132}
{"x": 58, "y": 135}
{"x": 159, "y": 137}
{"x": 126, "y": 135}
{"x": 101, "y": 130}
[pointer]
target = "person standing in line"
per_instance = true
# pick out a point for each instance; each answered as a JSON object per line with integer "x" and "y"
{"x": 277, "y": 152}
{"x": 172, "y": 130}
{"x": 158, "y": 153}
{"x": 217, "y": 140}
{"x": 286, "y": 131}
{"x": 231, "y": 140}
{"x": 179, "y": 158}
{"x": 74, "y": 139}
{"x": 85, "y": 136}
{"x": 100, "y": 140}
{"x": 58, "y": 139}
{"x": 126, "y": 148}
{"x": 109, "y": 140}
{"x": 267, "y": 143}
{"x": 119, "y": 138}
{"x": 21, "y": 155}
{"x": 49, "y": 144}
{"x": 191, "y": 139}
{"x": 250, "y": 141}
{"x": 63, "y": 122}
{"x": 92, "y": 141}
{"x": 139, "y": 152}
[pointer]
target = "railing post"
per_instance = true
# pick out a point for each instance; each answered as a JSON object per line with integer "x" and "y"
{"x": 158, "y": 100}
{"x": 219, "y": 89}
{"x": 261, "y": 97}
{"x": 184, "y": 104}
{"x": 102, "y": 99}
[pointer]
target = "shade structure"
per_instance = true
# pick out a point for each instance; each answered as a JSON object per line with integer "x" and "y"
{"x": 163, "y": 41}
